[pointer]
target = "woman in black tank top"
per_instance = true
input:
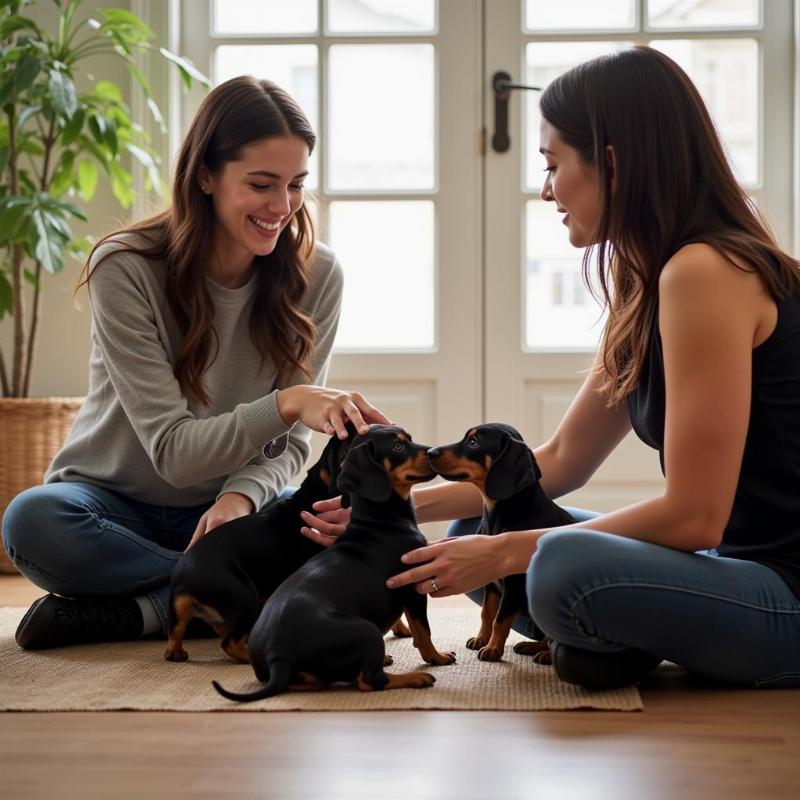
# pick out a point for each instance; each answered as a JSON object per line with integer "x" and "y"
{"x": 701, "y": 358}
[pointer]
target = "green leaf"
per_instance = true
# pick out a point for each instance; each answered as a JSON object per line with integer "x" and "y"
{"x": 48, "y": 245}
{"x": 6, "y": 296}
{"x": 103, "y": 131}
{"x": 63, "y": 177}
{"x": 10, "y": 218}
{"x": 121, "y": 185}
{"x": 156, "y": 112}
{"x": 62, "y": 94}
{"x": 148, "y": 161}
{"x": 47, "y": 201}
{"x": 72, "y": 127}
{"x": 188, "y": 70}
{"x": 26, "y": 114}
{"x": 109, "y": 91}
{"x": 26, "y": 72}
{"x": 4, "y": 153}
{"x": 14, "y": 23}
{"x": 87, "y": 178}
{"x": 120, "y": 18}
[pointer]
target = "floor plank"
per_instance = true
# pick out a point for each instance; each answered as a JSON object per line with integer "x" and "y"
{"x": 694, "y": 740}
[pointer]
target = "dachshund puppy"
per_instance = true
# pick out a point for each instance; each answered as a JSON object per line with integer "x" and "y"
{"x": 326, "y": 622}
{"x": 495, "y": 459}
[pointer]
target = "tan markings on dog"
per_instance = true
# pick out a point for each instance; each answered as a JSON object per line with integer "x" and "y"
{"x": 325, "y": 476}
{"x": 423, "y": 643}
{"x": 408, "y": 473}
{"x": 307, "y": 683}
{"x": 183, "y": 605}
{"x": 361, "y": 684}
{"x": 491, "y": 602}
{"x": 410, "y": 680}
{"x": 400, "y": 629}
{"x": 497, "y": 642}
{"x": 237, "y": 650}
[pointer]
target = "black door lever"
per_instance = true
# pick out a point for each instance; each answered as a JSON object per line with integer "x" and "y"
{"x": 502, "y": 86}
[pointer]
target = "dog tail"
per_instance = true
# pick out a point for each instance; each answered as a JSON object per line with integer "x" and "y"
{"x": 280, "y": 673}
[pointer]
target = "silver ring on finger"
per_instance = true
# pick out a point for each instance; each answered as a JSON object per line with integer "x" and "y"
{"x": 434, "y": 587}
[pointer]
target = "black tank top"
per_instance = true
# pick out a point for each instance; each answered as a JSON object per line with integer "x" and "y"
{"x": 764, "y": 525}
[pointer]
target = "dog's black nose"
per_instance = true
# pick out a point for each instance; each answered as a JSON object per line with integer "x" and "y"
{"x": 434, "y": 453}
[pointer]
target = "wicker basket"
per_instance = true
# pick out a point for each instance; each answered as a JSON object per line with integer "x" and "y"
{"x": 31, "y": 432}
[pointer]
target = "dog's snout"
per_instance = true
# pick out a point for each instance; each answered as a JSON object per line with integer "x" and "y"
{"x": 434, "y": 453}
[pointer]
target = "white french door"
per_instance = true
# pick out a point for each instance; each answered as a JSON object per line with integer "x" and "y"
{"x": 463, "y": 298}
{"x": 542, "y": 326}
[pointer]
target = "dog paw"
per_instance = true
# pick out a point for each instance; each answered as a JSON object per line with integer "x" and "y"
{"x": 421, "y": 680}
{"x": 442, "y": 659}
{"x": 530, "y": 648}
{"x": 490, "y": 654}
{"x": 176, "y": 654}
{"x": 476, "y": 642}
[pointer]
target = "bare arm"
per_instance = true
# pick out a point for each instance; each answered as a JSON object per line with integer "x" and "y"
{"x": 711, "y": 317}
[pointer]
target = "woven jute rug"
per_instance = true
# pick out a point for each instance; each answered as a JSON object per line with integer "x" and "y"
{"x": 135, "y": 676}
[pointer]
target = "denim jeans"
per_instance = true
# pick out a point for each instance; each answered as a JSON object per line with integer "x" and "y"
{"x": 724, "y": 618}
{"x": 80, "y": 540}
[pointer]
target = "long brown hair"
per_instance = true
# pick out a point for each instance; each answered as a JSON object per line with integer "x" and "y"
{"x": 673, "y": 186}
{"x": 234, "y": 114}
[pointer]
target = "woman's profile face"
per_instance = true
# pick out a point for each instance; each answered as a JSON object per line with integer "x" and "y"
{"x": 256, "y": 197}
{"x": 573, "y": 185}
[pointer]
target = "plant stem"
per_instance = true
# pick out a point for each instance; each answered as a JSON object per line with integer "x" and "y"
{"x": 44, "y": 186}
{"x": 3, "y": 376}
{"x": 16, "y": 264}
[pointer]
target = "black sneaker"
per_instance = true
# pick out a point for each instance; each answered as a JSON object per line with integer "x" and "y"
{"x": 597, "y": 671}
{"x": 54, "y": 621}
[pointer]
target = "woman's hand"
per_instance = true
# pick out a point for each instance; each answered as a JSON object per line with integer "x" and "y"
{"x": 458, "y": 565}
{"x": 327, "y": 410}
{"x": 230, "y": 505}
{"x": 330, "y": 522}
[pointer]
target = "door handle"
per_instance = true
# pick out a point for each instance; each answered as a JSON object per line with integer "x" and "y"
{"x": 502, "y": 86}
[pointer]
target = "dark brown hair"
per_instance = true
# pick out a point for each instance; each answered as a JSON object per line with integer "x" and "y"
{"x": 234, "y": 114}
{"x": 673, "y": 186}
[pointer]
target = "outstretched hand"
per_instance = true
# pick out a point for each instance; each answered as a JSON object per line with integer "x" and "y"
{"x": 452, "y": 566}
{"x": 328, "y": 524}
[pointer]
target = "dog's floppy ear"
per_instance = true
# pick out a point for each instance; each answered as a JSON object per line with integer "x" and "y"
{"x": 513, "y": 470}
{"x": 363, "y": 475}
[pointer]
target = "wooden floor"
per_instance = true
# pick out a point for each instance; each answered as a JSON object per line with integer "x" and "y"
{"x": 694, "y": 740}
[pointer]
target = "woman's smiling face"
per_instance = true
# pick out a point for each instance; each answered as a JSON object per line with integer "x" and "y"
{"x": 256, "y": 197}
{"x": 573, "y": 185}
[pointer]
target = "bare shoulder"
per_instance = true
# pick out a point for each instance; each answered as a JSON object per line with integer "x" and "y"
{"x": 700, "y": 277}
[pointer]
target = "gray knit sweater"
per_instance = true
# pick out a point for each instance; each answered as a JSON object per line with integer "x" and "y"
{"x": 138, "y": 435}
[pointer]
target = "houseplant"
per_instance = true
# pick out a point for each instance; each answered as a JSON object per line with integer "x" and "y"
{"x": 56, "y": 141}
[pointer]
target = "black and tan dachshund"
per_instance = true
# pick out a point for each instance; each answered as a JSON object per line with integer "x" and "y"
{"x": 325, "y": 623}
{"x": 497, "y": 461}
{"x": 226, "y": 576}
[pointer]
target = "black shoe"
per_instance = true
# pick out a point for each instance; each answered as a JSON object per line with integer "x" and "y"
{"x": 54, "y": 621}
{"x": 601, "y": 670}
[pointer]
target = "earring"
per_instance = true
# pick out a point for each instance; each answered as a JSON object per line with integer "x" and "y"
{"x": 206, "y": 189}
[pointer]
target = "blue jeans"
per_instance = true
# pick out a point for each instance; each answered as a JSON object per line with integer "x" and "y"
{"x": 724, "y": 618}
{"x": 80, "y": 540}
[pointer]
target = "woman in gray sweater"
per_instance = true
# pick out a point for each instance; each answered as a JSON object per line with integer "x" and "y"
{"x": 212, "y": 327}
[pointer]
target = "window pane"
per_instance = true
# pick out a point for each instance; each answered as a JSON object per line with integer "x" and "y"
{"x": 546, "y": 61}
{"x": 293, "y": 67}
{"x": 559, "y": 311}
{"x": 265, "y": 16}
{"x": 381, "y": 16}
{"x": 386, "y": 245}
{"x": 726, "y": 74}
{"x": 381, "y": 113}
{"x": 574, "y": 15}
{"x": 708, "y": 14}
